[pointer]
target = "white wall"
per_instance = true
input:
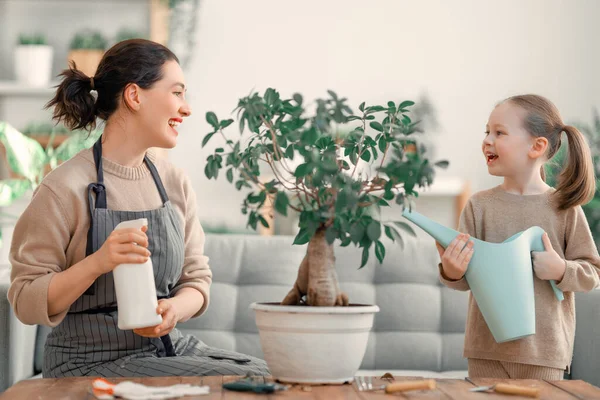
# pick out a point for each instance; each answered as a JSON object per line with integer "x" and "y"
{"x": 465, "y": 54}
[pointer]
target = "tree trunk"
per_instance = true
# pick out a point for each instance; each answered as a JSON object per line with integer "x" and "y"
{"x": 317, "y": 278}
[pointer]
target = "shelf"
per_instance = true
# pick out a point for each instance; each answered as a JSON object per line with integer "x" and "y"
{"x": 14, "y": 88}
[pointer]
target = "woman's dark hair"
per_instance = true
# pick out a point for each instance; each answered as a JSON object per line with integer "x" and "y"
{"x": 136, "y": 61}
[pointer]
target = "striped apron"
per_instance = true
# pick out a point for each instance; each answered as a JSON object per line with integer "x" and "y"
{"x": 89, "y": 342}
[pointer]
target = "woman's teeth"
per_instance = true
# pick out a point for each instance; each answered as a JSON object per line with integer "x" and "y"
{"x": 173, "y": 123}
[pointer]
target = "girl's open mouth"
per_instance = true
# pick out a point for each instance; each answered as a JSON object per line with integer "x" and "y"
{"x": 491, "y": 158}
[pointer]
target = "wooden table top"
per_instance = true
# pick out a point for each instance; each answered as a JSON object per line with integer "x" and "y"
{"x": 447, "y": 389}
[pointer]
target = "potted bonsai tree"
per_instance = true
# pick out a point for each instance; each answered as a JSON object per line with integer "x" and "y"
{"x": 337, "y": 183}
{"x": 33, "y": 60}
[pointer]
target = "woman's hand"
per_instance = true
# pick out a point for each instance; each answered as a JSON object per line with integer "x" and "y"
{"x": 455, "y": 259}
{"x": 548, "y": 265}
{"x": 122, "y": 246}
{"x": 170, "y": 317}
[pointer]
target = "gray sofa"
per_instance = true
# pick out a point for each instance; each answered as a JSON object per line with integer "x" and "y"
{"x": 419, "y": 330}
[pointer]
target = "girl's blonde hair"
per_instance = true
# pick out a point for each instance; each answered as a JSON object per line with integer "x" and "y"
{"x": 576, "y": 182}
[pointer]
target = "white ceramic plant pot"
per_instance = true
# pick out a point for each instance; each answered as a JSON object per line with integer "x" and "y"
{"x": 33, "y": 64}
{"x": 314, "y": 345}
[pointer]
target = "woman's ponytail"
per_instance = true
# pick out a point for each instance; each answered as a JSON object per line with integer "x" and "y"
{"x": 74, "y": 104}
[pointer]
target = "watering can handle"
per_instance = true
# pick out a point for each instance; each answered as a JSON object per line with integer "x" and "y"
{"x": 557, "y": 292}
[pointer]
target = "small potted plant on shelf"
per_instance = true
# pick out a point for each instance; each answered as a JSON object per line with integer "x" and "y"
{"x": 87, "y": 49}
{"x": 337, "y": 183}
{"x": 33, "y": 60}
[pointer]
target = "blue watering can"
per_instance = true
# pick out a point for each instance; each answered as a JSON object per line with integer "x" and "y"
{"x": 500, "y": 276}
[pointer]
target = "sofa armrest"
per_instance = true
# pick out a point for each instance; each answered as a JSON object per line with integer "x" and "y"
{"x": 17, "y": 341}
{"x": 586, "y": 353}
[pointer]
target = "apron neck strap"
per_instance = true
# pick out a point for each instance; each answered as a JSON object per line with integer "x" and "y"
{"x": 157, "y": 180}
{"x": 99, "y": 187}
{"x": 98, "y": 160}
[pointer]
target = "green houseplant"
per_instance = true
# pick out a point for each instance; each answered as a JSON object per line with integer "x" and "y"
{"x": 553, "y": 168}
{"x": 336, "y": 179}
{"x": 335, "y": 201}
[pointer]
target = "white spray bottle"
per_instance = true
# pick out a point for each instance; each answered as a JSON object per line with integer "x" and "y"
{"x": 135, "y": 289}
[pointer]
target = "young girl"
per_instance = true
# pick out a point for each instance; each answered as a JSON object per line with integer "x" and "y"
{"x": 64, "y": 247}
{"x": 523, "y": 133}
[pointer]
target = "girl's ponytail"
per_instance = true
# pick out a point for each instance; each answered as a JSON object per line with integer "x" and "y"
{"x": 576, "y": 182}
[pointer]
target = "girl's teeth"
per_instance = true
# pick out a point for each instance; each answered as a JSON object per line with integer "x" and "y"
{"x": 173, "y": 123}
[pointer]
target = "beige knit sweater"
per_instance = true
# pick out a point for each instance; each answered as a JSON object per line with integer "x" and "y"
{"x": 51, "y": 234}
{"x": 494, "y": 215}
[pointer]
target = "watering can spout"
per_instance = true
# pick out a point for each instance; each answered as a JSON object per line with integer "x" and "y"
{"x": 440, "y": 233}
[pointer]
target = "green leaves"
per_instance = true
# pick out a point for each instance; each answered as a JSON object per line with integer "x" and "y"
{"x": 225, "y": 123}
{"x": 374, "y": 230}
{"x": 212, "y": 119}
{"x": 297, "y": 98}
{"x": 281, "y": 203}
{"x": 207, "y": 138}
{"x": 379, "y": 251}
{"x": 405, "y": 104}
{"x": 364, "y": 258}
{"x": 366, "y": 156}
{"x": 213, "y": 164}
{"x": 302, "y": 170}
{"x": 336, "y": 168}
{"x": 377, "y": 126}
{"x": 302, "y": 237}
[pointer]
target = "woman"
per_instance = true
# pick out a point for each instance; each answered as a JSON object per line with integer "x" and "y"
{"x": 64, "y": 247}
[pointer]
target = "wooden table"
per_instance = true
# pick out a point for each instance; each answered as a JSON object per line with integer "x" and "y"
{"x": 447, "y": 389}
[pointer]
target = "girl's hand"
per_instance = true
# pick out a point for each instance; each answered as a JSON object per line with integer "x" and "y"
{"x": 548, "y": 265}
{"x": 456, "y": 258}
{"x": 123, "y": 246}
{"x": 170, "y": 318}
